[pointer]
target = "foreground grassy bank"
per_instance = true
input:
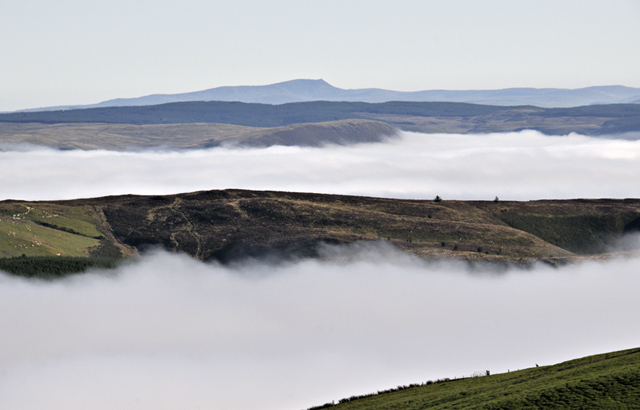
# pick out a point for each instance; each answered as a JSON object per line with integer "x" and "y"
{"x": 606, "y": 381}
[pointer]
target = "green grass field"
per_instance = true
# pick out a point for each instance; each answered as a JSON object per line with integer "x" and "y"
{"x": 43, "y": 229}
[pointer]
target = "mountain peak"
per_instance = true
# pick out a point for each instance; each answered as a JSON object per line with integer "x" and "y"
{"x": 304, "y": 80}
{"x": 318, "y": 84}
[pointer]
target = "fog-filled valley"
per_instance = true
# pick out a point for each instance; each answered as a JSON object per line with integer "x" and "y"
{"x": 168, "y": 332}
{"x": 518, "y": 166}
{"x": 165, "y": 331}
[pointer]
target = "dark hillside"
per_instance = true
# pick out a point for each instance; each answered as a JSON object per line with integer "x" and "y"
{"x": 232, "y": 224}
{"x": 247, "y": 114}
{"x": 607, "y": 110}
{"x": 580, "y": 226}
{"x": 427, "y": 117}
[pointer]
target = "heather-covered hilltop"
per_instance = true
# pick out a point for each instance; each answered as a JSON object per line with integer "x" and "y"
{"x": 229, "y": 225}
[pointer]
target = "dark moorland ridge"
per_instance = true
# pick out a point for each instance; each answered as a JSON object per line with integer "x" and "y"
{"x": 600, "y": 119}
{"x": 605, "y": 381}
{"x": 230, "y": 225}
{"x": 174, "y": 124}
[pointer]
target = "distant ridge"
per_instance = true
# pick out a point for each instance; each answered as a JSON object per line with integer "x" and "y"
{"x": 428, "y": 117}
{"x": 319, "y": 90}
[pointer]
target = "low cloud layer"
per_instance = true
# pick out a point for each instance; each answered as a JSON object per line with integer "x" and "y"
{"x": 169, "y": 332}
{"x": 525, "y": 165}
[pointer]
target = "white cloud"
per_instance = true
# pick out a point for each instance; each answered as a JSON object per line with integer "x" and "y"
{"x": 169, "y": 332}
{"x": 523, "y": 166}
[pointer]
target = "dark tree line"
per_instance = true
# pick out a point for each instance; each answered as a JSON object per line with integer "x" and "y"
{"x": 52, "y": 267}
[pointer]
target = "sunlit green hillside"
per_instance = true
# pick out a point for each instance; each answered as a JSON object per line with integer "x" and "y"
{"x": 606, "y": 381}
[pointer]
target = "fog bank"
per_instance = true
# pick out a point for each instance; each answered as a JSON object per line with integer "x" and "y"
{"x": 521, "y": 166}
{"x": 169, "y": 332}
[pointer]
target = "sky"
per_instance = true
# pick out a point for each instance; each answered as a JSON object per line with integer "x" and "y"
{"x": 522, "y": 166}
{"x": 77, "y": 52}
{"x": 169, "y": 332}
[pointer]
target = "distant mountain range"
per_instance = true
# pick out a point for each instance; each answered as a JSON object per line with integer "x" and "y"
{"x": 319, "y": 90}
{"x": 314, "y": 113}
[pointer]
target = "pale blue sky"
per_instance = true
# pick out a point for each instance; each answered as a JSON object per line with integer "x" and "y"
{"x": 79, "y": 51}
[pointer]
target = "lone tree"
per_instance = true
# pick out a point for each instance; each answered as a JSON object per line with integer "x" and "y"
{"x": 496, "y": 199}
{"x": 438, "y": 199}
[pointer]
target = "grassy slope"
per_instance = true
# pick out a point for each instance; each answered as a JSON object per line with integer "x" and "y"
{"x": 607, "y": 381}
{"x": 199, "y": 135}
{"x": 121, "y": 136}
{"x": 49, "y": 229}
{"x": 316, "y": 134}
